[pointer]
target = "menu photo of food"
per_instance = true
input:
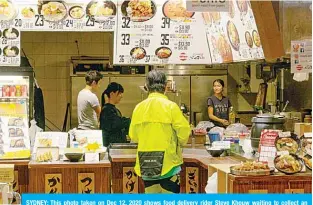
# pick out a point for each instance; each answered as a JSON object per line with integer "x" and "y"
{"x": 256, "y": 38}
{"x": 249, "y": 39}
{"x": 17, "y": 143}
{"x": 82, "y": 140}
{"x": 176, "y": 10}
{"x": 19, "y": 122}
{"x": 220, "y": 49}
{"x": 28, "y": 12}
{"x": 138, "y": 53}
{"x": 44, "y": 142}
{"x": 101, "y": 10}
{"x": 76, "y": 12}
{"x": 163, "y": 52}
{"x": 233, "y": 35}
{"x": 11, "y": 51}
{"x": 11, "y": 33}
{"x": 139, "y": 10}
{"x": 8, "y": 10}
{"x": 16, "y": 132}
{"x": 53, "y": 11}
{"x": 242, "y": 6}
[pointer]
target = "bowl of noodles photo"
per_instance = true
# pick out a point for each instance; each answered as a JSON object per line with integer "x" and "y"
{"x": 233, "y": 35}
{"x": 163, "y": 52}
{"x": 138, "y": 53}
{"x": 76, "y": 12}
{"x": 11, "y": 51}
{"x": 256, "y": 38}
{"x": 176, "y": 10}
{"x": 249, "y": 40}
{"x": 139, "y": 10}
{"x": 100, "y": 10}
{"x": 7, "y": 10}
{"x": 11, "y": 33}
{"x": 53, "y": 11}
{"x": 28, "y": 12}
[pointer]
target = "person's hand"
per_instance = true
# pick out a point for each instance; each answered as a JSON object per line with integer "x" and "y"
{"x": 225, "y": 122}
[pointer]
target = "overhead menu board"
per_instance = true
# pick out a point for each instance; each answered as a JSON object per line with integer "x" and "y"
{"x": 165, "y": 32}
{"x": 68, "y": 15}
{"x": 158, "y": 32}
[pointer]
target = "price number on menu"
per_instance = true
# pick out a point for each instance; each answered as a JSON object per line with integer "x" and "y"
{"x": 122, "y": 58}
{"x": 39, "y": 20}
{"x": 125, "y": 22}
{"x": 90, "y": 21}
{"x": 166, "y": 22}
{"x": 4, "y": 41}
{"x": 147, "y": 59}
{"x": 165, "y": 39}
{"x": 125, "y": 39}
{"x": 18, "y": 22}
{"x": 69, "y": 23}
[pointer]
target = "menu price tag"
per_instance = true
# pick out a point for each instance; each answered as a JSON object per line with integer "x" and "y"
{"x": 10, "y": 45}
{"x": 301, "y": 56}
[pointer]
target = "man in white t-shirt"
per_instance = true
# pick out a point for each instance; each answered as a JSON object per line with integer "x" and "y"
{"x": 88, "y": 106}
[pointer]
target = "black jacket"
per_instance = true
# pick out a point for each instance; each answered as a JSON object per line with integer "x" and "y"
{"x": 114, "y": 127}
{"x": 39, "y": 107}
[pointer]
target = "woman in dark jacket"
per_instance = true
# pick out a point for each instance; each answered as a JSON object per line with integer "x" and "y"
{"x": 113, "y": 125}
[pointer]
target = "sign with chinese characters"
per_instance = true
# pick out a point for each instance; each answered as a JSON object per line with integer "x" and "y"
{"x": 207, "y": 5}
{"x": 53, "y": 183}
{"x": 86, "y": 183}
{"x": 10, "y": 45}
{"x": 301, "y": 56}
{"x": 130, "y": 180}
{"x": 192, "y": 180}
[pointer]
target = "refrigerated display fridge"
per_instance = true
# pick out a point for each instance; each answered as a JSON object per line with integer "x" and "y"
{"x": 16, "y": 110}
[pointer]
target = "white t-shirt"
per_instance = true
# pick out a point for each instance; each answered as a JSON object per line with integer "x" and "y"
{"x": 87, "y": 117}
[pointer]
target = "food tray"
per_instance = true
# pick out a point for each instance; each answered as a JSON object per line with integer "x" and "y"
{"x": 285, "y": 172}
{"x": 293, "y": 138}
{"x": 252, "y": 173}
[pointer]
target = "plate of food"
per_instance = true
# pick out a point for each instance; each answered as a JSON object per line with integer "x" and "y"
{"x": 7, "y": 10}
{"x": 207, "y": 18}
{"x": 224, "y": 49}
{"x": 242, "y": 6}
{"x": 307, "y": 159}
{"x": 53, "y": 11}
{"x": 76, "y": 12}
{"x": 290, "y": 144}
{"x": 176, "y": 10}
{"x": 11, "y": 51}
{"x": 249, "y": 40}
{"x": 288, "y": 164}
{"x": 28, "y": 12}
{"x": 101, "y": 9}
{"x": 163, "y": 52}
{"x": 17, "y": 143}
{"x": 251, "y": 168}
{"x": 233, "y": 35}
{"x": 256, "y": 38}
{"x": 11, "y": 33}
{"x": 139, "y": 10}
{"x": 138, "y": 53}
{"x": 306, "y": 145}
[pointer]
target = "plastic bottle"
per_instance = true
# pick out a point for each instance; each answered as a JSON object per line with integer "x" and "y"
{"x": 232, "y": 116}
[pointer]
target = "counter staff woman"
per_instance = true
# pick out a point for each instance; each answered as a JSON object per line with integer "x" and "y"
{"x": 218, "y": 105}
{"x": 113, "y": 125}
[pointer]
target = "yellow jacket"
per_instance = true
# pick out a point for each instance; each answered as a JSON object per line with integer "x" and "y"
{"x": 158, "y": 125}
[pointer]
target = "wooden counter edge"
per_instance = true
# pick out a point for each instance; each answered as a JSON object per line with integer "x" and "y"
{"x": 15, "y": 162}
{"x": 38, "y": 165}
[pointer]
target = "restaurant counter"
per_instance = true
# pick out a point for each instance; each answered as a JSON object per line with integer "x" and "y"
{"x": 69, "y": 177}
